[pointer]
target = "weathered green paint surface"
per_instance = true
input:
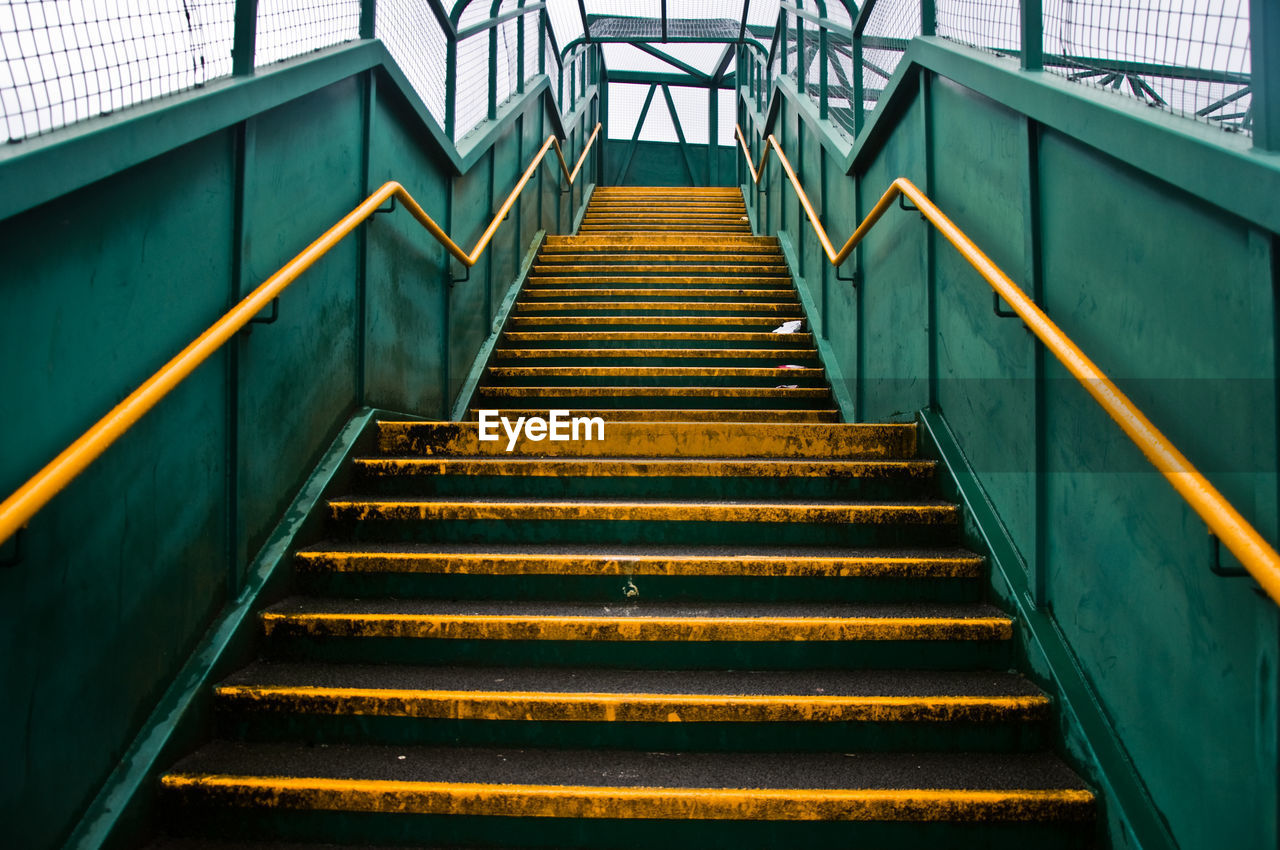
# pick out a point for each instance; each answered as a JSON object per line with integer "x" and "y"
{"x": 124, "y": 571}
{"x": 1173, "y": 297}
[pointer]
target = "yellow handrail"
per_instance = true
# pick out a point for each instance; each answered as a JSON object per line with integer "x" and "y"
{"x": 28, "y": 499}
{"x": 1242, "y": 539}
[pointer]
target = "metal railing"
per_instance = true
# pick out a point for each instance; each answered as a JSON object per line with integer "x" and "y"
{"x": 28, "y": 499}
{"x": 1224, "y": 521}
{"x": 1194, "y": 61}
{"x": 62, "y": 63}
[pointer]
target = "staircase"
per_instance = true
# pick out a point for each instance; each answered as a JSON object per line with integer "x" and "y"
{"x": 729, "y": 621}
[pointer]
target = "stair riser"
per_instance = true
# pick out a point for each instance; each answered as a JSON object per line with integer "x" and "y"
{"x": 1012, "y": 735}
{"x": 701, "y": 358}
{"x": 711, "y": 439}
{"x": 667, "y": 533}
{"x": 668, "y": 339}
{"x": 689, "y": 416}
{"x": 324, "y": 828}
{"x": 651, "y": 655}
{"x": 702, "y": 377}
{"x": 613, "y": 588}
{"x": 553, "y": 485}
{"x": 750, "y": 399}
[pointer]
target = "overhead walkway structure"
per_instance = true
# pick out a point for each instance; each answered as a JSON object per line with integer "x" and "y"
{"x": 959, "y": 532}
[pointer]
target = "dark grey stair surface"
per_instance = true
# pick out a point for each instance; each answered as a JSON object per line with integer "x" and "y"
{"x": 629, "y": 769}
{"x": 638, "y": 609}
{"x": 607, "y": 681}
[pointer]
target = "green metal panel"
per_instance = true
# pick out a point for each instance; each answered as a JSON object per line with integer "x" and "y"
{"x": 99, "y": 289}
{"x": 662, "y": 164}
{"x": 1200, "y": 361}
{"x": 296, "y": 374}
{"x": 105, "y": 283}
{"x": 985, "y": 363}
{"x": 1174, "y": 297}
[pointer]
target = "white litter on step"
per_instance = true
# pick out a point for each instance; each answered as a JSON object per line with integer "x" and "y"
{"x": 790, "y": 366}
{"x": 787, "y": 387}
{"x": 789, "y": 327}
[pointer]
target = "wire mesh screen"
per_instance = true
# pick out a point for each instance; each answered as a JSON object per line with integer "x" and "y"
{"x": 420, "y": 47}
{"x": 551, "y": 64}
{"x": 727, "y": 116}
{"x": 692, "y": 113}
{"x": 530, "y": 24}
{"x": 504, "y": 41}
{"x": 890, "y": 27}
{"x": 993, "y": 25}
{"x": 292, "y": 27}
{"x": 1192, "y": 59}
{"x": 63, "y": 62}
{"x": 841, "y": 98}
{"x": 471, "y": 94}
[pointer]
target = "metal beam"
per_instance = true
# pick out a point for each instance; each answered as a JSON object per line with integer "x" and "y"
{"x": 684, "y": 147}
{"x": 244, "y": 37}
{"x": 1032, "y": 34}
{"x": 497, "y": 20}
{"x": 674, "y": 62}
{"x": 658, "y": 77}
{"x": 635, "y": 138}
{"x": 586, "y": 28}
{"x": 723, "y": 64}
{"x": 1264, "y": 36}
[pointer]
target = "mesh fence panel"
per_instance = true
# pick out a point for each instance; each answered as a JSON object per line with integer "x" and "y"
{"x": 292, "y": 27}
{"x": 993, "y": 25}
{"x": 552, "y": 65}
{"x": 891, "y": 25}
{"x": 471, "y": 95}
{"x": 476, "y": 11}
{"x": 530, "y": 24}
{"x": 1192, "y": 59}
{"x": 841, "y": 99}
{"x": 420, "y": 47}
{"x": 63, "y": 62}
{"x": 504, "y": 67}
{"x": 692, "y": 112}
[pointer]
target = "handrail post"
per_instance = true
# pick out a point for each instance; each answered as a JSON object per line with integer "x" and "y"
{"x": 368, "y": 17}
{"x": 244, "y": 38}
{"x": 451, "y": 85}
{"x": 928, "y": 17}
{"x": 1264, "y": 73}
{"x": 859, "y": 95}
{"x": 824, "y": 59}
{"x": 520, "y": 51}
{"x": 1032, "y": 12}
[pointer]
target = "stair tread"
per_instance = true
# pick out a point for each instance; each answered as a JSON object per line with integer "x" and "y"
{"x": 650, "y": 551}
{"x": 635, "y": 609}
{"x": 629, "y": 769}
{"x": 601, "y": 680}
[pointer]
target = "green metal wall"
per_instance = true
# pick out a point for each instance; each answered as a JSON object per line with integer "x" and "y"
{"x": 1098, "y": 211}
{"x": 121, "y": 575}
{"x": 665, "y": 164}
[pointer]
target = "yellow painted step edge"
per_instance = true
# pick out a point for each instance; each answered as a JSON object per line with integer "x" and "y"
{"x": 604, "y": 628}
{"x": 626, "y": 511}
{"x": 577, "y": 801}
{"x": 631, "y": 708}
{"x": 493, "y": 563}
{"x": 641, "y": 467}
